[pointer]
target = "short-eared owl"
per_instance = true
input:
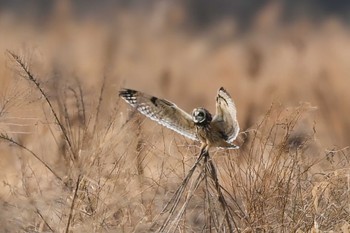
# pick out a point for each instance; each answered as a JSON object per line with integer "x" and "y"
{"x": 217, "y": 131}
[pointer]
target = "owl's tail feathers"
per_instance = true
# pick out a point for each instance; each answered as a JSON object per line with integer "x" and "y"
{"x": 227, "y": 145}
{"x": 233, "y": 147}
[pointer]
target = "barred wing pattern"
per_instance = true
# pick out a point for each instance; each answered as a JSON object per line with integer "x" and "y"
{"x": 161, "y": 111}
{"x": 226, "y": 115}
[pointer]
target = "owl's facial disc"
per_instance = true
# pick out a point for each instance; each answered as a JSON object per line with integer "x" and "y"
{"x": 200, "y": 116}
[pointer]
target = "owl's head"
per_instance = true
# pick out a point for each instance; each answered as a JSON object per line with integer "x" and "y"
{"x": 201, "y": 116}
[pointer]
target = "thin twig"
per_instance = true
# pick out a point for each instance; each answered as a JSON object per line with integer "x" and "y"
{"x": 31, "y": 78}
{"x": 7, "y": 138}
{"x": 182, "y": 186}
{"x": 99, "y": 104}
{"x": 177, "y": 195}
{"x": 42, "y": 217}
{"x": 73, "y": 202}
{"x": 211, "y": 218}
{"x": 190, "y": 193}
{"x": 228, "y": 214}
{"x": 82, "y": 103}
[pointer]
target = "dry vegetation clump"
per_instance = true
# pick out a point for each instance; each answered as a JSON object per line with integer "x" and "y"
{"x": 277, "y": 181}
{"x": 115, "y": 176}
{"x": 75, "y": 159}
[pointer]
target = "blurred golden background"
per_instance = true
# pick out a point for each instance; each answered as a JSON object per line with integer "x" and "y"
{"x": 262, "y": 52}
{"x": 285, "y": 52}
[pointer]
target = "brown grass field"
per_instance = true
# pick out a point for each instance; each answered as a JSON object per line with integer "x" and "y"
{"x": 76, "y": 158}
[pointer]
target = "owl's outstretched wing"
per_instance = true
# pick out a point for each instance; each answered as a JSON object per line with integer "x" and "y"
{"x": 161, "y": 111}
{"x": 226, "y": 115}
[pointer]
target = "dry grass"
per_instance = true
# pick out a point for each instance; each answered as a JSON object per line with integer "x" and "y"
{"x": 76, "y": 159}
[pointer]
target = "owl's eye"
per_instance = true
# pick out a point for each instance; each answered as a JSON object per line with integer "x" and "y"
{"x": 201, "y": 114}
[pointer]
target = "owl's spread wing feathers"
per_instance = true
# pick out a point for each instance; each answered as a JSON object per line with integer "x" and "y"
{"x": 161, "y": 111}
{"x": 226, "y": 115}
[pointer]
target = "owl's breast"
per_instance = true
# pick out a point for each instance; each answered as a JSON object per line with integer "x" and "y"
{"x": 212, "y": 136}
{"x": 203, "y": 133}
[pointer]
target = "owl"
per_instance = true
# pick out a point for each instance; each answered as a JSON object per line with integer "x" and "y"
{"x": 219, "y": 130}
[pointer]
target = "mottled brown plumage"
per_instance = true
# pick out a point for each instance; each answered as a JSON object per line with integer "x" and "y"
{"x": 217, "y": 131}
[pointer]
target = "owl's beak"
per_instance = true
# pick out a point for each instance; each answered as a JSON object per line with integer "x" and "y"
{"x": 197, "y": 118}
